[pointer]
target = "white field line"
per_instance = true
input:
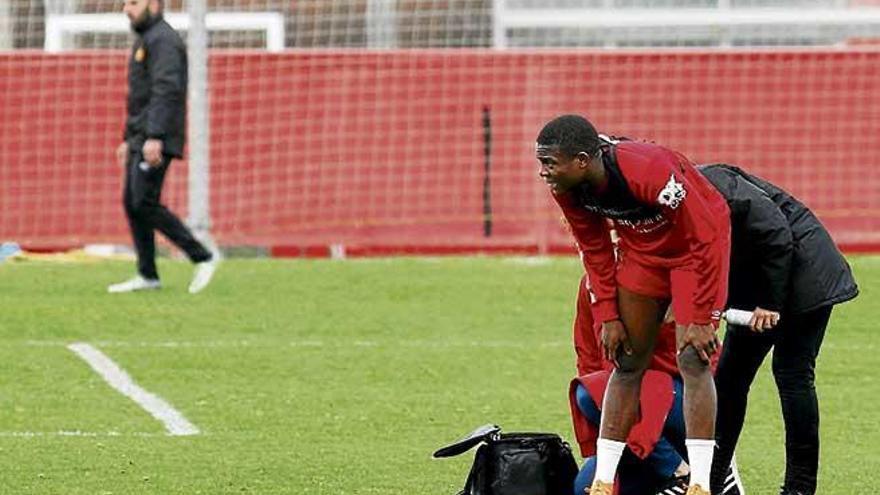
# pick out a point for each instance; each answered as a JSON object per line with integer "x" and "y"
{"x": 529, "y": 261}
{"x": 73, "y": 433}
{"x": 333, "y": 344}
{"x": 117, "y": 378}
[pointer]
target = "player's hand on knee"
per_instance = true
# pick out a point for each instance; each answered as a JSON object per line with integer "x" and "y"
{"x": 122, "y": 154}
{"x": 702, "y": 338}
{"x": 763, "y": 319}
{"x": 614, "y": 339}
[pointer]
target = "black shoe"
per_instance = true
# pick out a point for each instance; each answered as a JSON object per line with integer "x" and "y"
{"x": 674, "y": 486}
{"x": 732, "y": 482}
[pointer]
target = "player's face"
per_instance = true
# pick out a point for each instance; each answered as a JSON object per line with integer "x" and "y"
{"x": 560, "y": 171}
{"x": 136, "y": 10}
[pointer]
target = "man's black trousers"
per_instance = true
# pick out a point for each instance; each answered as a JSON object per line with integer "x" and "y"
{"x": 796, "y": 342}
{"x": 146, "y": 214}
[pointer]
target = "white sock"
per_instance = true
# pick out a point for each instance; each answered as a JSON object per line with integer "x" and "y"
{"x": 608, "y": 454}
{"x": 700, "y": 454}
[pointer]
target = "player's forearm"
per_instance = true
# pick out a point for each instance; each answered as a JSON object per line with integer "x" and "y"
{"x": 775, "y": 274}
{"x": 597, "y": 254}
{"x": 599, "y": 262}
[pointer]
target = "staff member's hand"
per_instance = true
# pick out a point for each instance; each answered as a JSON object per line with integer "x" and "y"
{"x": 153, "y": 152}
{"x": 763, "y": 319}
{"x": 701, "y": 337}
{"x": 122, "y": 154}
{"x": 614, "y": 338}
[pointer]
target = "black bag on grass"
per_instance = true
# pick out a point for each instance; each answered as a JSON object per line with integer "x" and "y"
{"x": 515, "y": 463}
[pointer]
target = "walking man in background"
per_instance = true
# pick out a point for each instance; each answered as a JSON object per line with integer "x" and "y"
{"x": 154, "y": 135}
{"x": 674, "y": 249}
{"x": 785, "y": 267}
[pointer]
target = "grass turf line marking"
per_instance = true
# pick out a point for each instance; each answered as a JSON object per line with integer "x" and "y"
{"x": 333, "y": 344}
{"x": 117, "y": 378}
{"x": 73, "y": 433}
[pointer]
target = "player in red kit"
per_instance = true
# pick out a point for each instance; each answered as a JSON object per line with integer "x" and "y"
{"x": 674, "y": 231}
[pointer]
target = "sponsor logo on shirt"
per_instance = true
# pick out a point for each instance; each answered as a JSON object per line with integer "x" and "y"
{"x": 644, "y": 225}
{"x": 639, "y": 218}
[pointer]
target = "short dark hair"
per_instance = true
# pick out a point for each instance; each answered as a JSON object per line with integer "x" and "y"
{"x": 573, "y": 134}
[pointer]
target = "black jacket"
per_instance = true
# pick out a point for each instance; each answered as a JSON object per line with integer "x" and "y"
{"x": 781, "y": 257}
{"x": 157, "y": 79}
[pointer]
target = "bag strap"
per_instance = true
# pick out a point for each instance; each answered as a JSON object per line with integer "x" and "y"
{"x": 484, "y": 433}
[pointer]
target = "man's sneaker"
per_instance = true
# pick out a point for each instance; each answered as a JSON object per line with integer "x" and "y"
{"x": 135, "y": 284}
{"x": 675, "y": 486}
{"x": 732, "y": 482}
{"x": 203, "y": 274}
{"x": 601, "y": 488}
{"x": 697, "y": 490}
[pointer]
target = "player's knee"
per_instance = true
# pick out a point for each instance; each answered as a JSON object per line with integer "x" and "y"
{"x": 634, "y": 364}
{"x": 690, "y": 364}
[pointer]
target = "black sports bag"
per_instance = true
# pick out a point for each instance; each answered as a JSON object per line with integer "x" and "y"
{"x": 515, "y": 463}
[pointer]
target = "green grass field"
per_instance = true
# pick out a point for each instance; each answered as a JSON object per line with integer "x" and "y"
{"x": 323, "y": 377}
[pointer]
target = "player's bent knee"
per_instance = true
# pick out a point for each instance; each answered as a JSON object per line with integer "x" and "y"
{"x": 690, "y": 363}
{"x": 632, "y": 364}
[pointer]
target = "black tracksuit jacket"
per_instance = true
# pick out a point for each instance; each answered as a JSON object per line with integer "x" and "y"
{"x": 782, "y": 258}
{"x": 157, "y": 79}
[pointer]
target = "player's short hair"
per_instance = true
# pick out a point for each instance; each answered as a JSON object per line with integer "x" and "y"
{"x": 573, "y": 134}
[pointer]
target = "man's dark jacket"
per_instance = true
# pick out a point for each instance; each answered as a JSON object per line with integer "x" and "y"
{"x": 157, "y": 79}
{"x": 781, "y": 258}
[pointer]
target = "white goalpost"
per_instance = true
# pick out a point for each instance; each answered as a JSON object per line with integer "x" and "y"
{"x": 59, "y": 27}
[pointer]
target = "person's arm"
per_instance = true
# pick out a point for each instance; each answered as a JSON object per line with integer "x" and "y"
{"x": 122, "y": 148}
{"x": 593, "y": 238}
{"x": 757, "y": 221}
{"x": 166, "y": 66}
{"x": 666, "y": 183}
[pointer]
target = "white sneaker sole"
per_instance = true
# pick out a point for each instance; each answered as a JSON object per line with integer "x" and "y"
{"x": 113, "y": 289}
{"x": 203, "y": 276}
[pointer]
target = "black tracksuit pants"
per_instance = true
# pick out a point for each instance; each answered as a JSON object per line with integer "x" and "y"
{"x": 796, "y": 342}
{"x": 145, "y": 212}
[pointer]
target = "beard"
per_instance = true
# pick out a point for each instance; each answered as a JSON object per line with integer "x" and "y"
{"x": 143, "y": 19}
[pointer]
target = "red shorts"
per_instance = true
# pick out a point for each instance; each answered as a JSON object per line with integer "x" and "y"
{"x": 673, "y": 284}
{"x": 678, "y": 285}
